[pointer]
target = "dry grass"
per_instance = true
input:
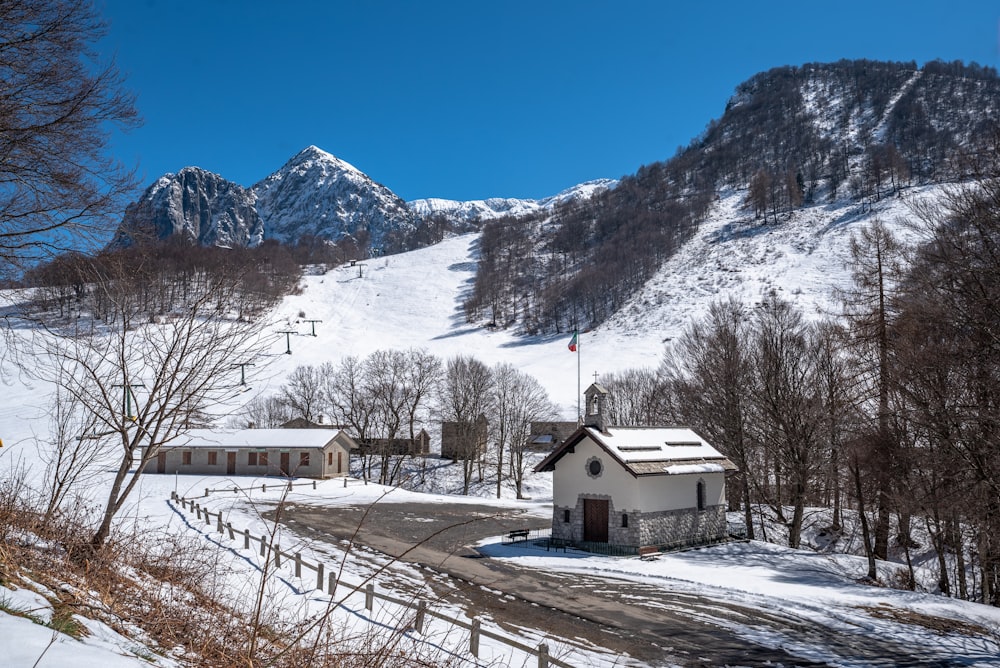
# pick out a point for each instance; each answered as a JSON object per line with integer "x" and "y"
{"x": 940, "y": 625}
{"x": 166, "y": 592}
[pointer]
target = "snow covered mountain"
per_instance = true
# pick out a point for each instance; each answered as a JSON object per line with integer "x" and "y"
{"x": 194, "y": 204}
{"x": 498, "y": 207}
{"x": 318, "y": 194}
{"x": 313, "y": 194}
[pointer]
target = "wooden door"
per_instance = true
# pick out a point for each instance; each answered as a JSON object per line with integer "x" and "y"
{"x": 161, "y": 462}
{"x": 595, "y": 520}
{"x": 285, "y": 467}
{"x": 340, "y": 461}
{"x": 230, "y": 463}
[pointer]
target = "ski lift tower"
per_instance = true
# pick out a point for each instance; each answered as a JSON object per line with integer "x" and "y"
{"x": 288, "y": 339}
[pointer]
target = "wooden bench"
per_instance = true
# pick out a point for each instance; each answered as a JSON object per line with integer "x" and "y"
{"x": 648, "y": 552}
{"x": 518, "y": 534}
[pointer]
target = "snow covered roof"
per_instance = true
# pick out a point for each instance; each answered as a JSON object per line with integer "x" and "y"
{"x": 659, "y": 444}
{"x": 257, "y": 438}
{"x": 649, "y": 450}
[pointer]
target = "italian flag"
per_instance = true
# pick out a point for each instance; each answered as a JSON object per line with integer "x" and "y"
{"x": 573, "y": 342}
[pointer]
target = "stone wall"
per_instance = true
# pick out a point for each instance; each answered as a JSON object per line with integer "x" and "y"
{"x": 666, "y": 528}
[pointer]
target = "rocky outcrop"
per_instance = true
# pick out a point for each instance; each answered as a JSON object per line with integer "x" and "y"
{"x": 196, "y": 205}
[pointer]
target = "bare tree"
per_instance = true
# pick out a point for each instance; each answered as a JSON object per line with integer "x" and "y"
{"x": 877, "y": 259}
{"x": 385, "y": 374}
{"x": 350, "y": 401}
{"x": 465, "y": 395}
{"x": 145, "y": 383}
{"x": 58, "y": 189}
{"x": 635, "y": 397}
{"x": 261, "y": 412}
{"x": 423, "y": 374}
{"x": 519, "y": 399}
{"x": 302, "y": 393}
{"x": 70, "y": 452}
{"x": 709, "y": 377}
{"x": 786, "y": 397}
{"x": 952, "y": 316}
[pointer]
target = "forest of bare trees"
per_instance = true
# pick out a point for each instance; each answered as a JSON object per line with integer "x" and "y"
{"x": 393, "y": 394}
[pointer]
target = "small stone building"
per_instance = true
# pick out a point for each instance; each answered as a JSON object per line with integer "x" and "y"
{"x": 550, "y": 435}
{"x": 636, "y": 486}
{"x": 415, "y": 447}
{"x": 464, "y": 440}
{"x": 308, "y": 453}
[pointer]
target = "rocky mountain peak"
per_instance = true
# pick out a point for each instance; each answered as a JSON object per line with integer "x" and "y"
{"x": 194, "y": 204}
{"x": 316, "y": 193}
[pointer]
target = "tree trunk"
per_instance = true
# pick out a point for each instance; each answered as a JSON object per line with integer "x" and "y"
{"x": 863, "y": 518}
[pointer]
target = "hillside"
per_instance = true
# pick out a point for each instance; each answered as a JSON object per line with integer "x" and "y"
{"x": 791, "y": 139}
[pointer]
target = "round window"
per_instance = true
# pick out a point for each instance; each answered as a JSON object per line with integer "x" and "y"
{"x": 594, "y": 467}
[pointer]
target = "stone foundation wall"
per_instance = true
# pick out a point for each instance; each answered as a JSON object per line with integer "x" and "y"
{"x": 684, "y": 527}
{"x": 665, "y": 528}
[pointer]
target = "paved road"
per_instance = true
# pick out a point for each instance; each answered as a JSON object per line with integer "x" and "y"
{"x": 645, "y": 622}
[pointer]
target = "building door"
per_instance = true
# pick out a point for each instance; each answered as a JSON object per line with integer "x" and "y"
{"x": 285, "y": 467}
{"x": 230, "y": 463}
{"x": 161, "y": 462}
{"x": 595, "y": 520}
{"x": 340, "y": 460}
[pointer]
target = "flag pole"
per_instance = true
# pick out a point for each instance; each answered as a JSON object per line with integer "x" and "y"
{"x": 579, "y": 414}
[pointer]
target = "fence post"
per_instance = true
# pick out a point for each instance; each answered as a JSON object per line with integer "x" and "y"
{"x": 345, "y": 482}
{"x": 263, "y": 546}
{"x": 474, "y": 639}
{"x": 298, "y": 564}
{"x": 331, "y": 587}
{"x": 208, "y": 516}
{"x": 232, "y": 536}
{"x": 263, "y": 488}
{"x": 319, "y": 576}
{"x": 246, "y": 539}
{"x": 543, "y": 656}
{"x": 370, "y": 596}
{"x": 277, "y": 555}
{"x": 418, "y": 623}
{"x": 206, "y": 491}
{"x": 197, "y": 509}
{"x": 314, "y": 484}
{"x": 220, "y": 527}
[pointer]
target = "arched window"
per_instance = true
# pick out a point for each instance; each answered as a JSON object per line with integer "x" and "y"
{"x": 701, "y": 495}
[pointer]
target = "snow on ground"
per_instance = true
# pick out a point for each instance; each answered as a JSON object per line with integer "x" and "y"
{"x": 801, "y": 258}
{"x": 779, "y": 580}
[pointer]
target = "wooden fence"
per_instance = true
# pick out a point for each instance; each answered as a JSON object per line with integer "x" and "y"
{"x": 289, "y": 485}
{"x": 326, "y": 580}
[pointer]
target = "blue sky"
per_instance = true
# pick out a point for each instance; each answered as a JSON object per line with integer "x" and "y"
{"x": 468, "y": 100}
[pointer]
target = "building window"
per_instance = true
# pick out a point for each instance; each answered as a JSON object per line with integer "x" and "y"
{"x": 262, "y": 458}
{"x": 566, "y": 515}
{"x": 624, "y": 520}
{"x": 213, "y": 457}
{"x": 701, "y": 495}
{"x": 595, "y": 467}
{"x": 186, "y": 458}
{"x": 252, "y": 459}
{"x": 329, "y": 459}
{"x": 303, "y": 459}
